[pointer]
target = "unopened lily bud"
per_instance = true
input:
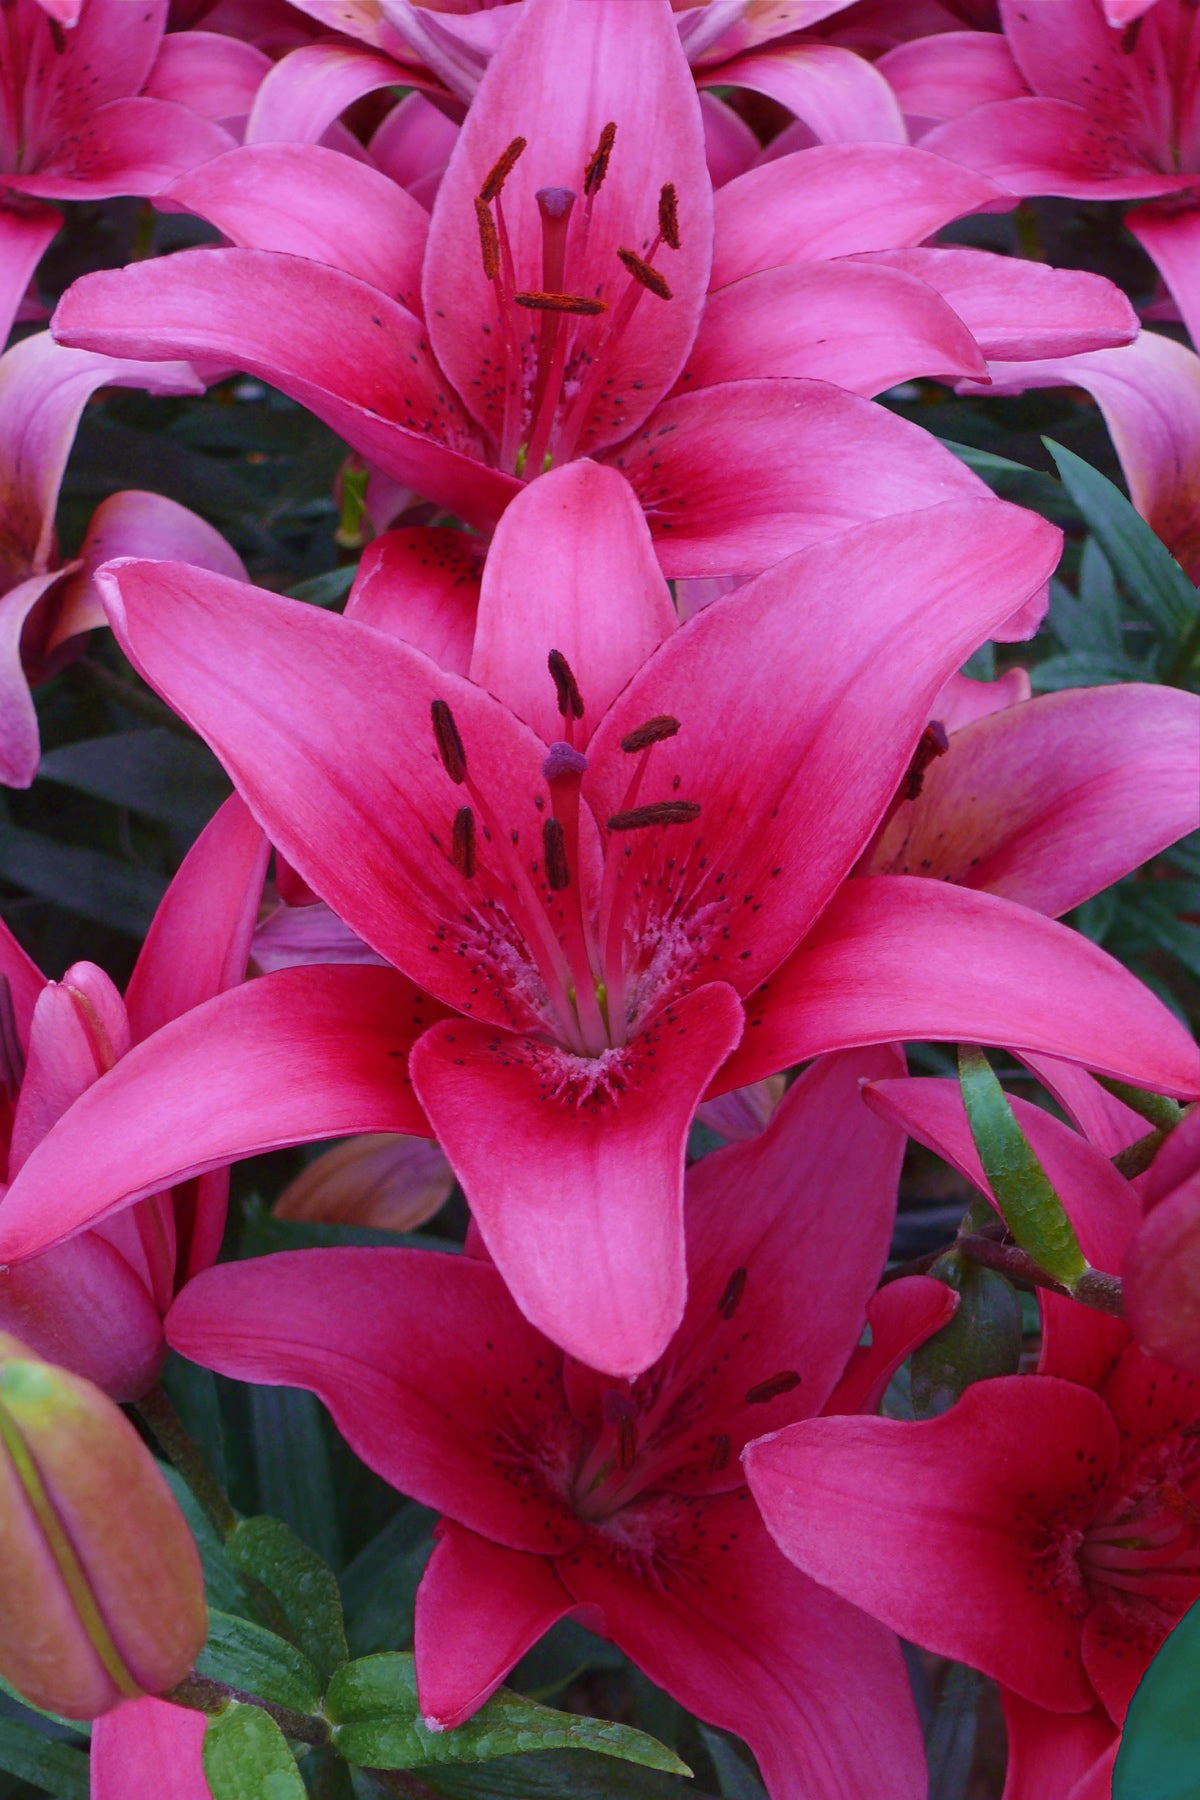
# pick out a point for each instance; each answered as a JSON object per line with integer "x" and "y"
{"x": 385, "y": 1180}
{"x": 101, "y": 1590}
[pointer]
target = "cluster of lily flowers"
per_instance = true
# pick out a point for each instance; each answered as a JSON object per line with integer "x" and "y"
{"x": 647, "y": 778}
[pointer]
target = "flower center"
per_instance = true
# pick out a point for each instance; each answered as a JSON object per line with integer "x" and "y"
{"x": 554, "y": 372}
{"x": 1144, "y": 1554}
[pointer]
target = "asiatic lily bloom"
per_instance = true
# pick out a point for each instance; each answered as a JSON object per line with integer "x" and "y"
{"x": 80, "y": 118}
{"x": 673, "y": 914}
{"x": 562, "y": 286}
{"x": 96, "y": 1550}
{"x": 622, "y": 1502}
{"x": 1073, "y": 102}
{"x": 47, "y": 605}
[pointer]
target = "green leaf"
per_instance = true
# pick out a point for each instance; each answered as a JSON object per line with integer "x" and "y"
{"x": 84, "y": 881}
{"x": 1084, "y": 668}
{"x": 246, "y": 1757}
{"x": 59, "y": 1769}
{"x": 249, "y": 1657}
{"x": 222, "y": 1588}
{"x": 82, "y": 1727}
{"x": 950, "y": 1744}
{"x": 737, "y": 1779}
{"x": 1013, "y": 480}
{"x": 291, "y": 1452}
{"x": 982, "y": 1339}
{"x": 372, "y": 1706}
{"x": 305, "y": 1587}
{"x": 555, "y": 1775}
{"x": 1139, "y": 559}
{"x": 155, "y": 772}
{"x": 1160, "y": 1745}
{"x": 327, "y": 589}
{"x": 1032, "y": 1210}
{"x": 379, "y": 1588}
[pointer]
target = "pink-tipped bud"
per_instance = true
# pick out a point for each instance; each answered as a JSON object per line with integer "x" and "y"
{"x": 102, "y": 1595}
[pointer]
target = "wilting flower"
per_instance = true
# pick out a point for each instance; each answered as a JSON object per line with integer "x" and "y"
{"x": 103, "y": 1595}
{"x": 564, "y": 1492}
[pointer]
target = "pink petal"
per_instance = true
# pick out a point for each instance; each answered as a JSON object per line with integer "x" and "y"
{"x": 127, "y": 147}
{"x": 1018, "y": 310}
{"x": 386, "y": 1180}
{"x": 836, "y": 321}
{"x": 311, "y": 87}
{"x": 823, "y": 1712}
{"x": 341, "y": 348}
{"x": 1082, "y": 59}
{"x": 1172, "y": 238}
{"x": 876, "y": 652}
{"x": 637, "y": 77}
{"x": 199, "y": 941}
{"x": 1052, "y": 1751}
{"x": 23, "y": 237}
{"x": 729, "y": 144}
{"x": 1040, "y": 146}
{"x": 895, "y": 956}
{"x": 1048, "y": 802}
{"x": 574, "y": 1171}
{"x": 306, "y": 201}
{"x": 149, "y": 1746}
{"x": 901, "y": 1316}
{"x": 305, "y": 934}
{"x": 964, "y": 699}
{"x": 79, "y": 1029}
{"x": 25, "y": 981}
{"x": 413, "y": 143}
{"x": 1162, "y": 1281}
{"x": 599, "y": 597}
{"x": 480, "y": 1607}
{"x": 1103, "y": 1119}
{"x": 840, "y": 96}
{"x": 834, "y": 200}
{"x": 81, "y": 1305}
{"x": 410, "y": 1350}
{"x": 134, "y": 523}
{"x": 422, "y": 586}
{"x": 303, "y": 1054}
{"x": 19, "y": 745}
{"x": 1149, "y": 393}
{"x": 212, "y": 73}
{"x": 938, "y": 1528}
{"x": 735, "y": 478}
{"x": 324, "y": 725}
{"x": 951, "y": 73}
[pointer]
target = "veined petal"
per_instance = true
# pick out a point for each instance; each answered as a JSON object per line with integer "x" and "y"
{"x": 302, "y": 1054}
{"x": 637, "y": 78}
{"x": 598, "y": 597}
{"x": 340, "y": 347}
{"x": 79, "y": 1029}
{"x": 212, "y": 73}
{"x": 877, "y": 651}
{"x": 1052, "y": 1752}
{"x": 1048, "y": 802}
{"x": 421, "y": 585}
{"x": 950, "y": 73}
{"x": 841, "y": 97}
{"x": 835, "y": 199}
{"x": 19, "y": 745}
{"x": 941, "y": 1528}
{"x": 411, "y": 1351}
{"x": 23, "y": 237}
{"x": 480, "y": 1607}
{"x": 1044, "y": 146}
{"x": 83, "y": 1306}
{"x": 382, "y": 1179}
{"x": 25, "y": 981}
{"x": 895, "y": 956}
{"x": 573, "y": 1167}
{"x": 133, "y": 146}
{"x": 306, "y": 201}
{"x": 312, "y": 86}
{"x": 1172, "y": 238}
{"x": 152, "y": 1743}
{"x": 901, "y": 1316}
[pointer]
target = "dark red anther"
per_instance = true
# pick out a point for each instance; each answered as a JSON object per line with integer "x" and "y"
{"x": 554, "y": 845}
{"x": 489, "y": 238}
{"x": 12, "y": 1057}
{"x": 563, "y": 759}
{"x": 652, "y": 732}
{"x": 933, "y": 743}
{"x": 720, "y": 1455}
{"x": 598, "y": 162}
{"x": 570, "y": 700}
{"x": 626, "y": 1444}
{"x": 540, "y": 301}
{"x": 500, "y": 170}
{"x": 449, "y": 744}
{"x": 668, "y": 215}
{"x": 731, "y": 1299}
{"x": 783, "y": 1383}
{"x": 646, "y": 273}
{"x": 660, "y": 812}
{"x": 462, "y": 842}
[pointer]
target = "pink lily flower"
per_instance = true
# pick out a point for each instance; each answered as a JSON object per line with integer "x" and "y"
{"x": 45, "y": 605}
{"x": 605, "y": 966}
{"x": 563, "y": 1492}
{"x": 79, "y": 120}
{"x": 512, "y": 367}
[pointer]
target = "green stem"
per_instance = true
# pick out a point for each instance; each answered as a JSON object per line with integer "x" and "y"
{"x": 1093, "y": 1288}
{"x": 202, "y": 1693}
{"x": 1136, "y": 1158}
{"x": 1156, "y": 1109}
{"x": 161, "y": 1418}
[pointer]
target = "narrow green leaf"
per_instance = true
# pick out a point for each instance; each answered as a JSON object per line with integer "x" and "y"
{"x": 1033, "y": 1211}
{"x": 246, "y": 1757}
{"x": 1156, "y": 1109}
{"x": 555, "y": 1775}
{"x": 372, "y": 1705}
{"x": 249, "y": 1657}
{"x": 1013, "y": 480}
{"x": 379, "y": 1588}
{"x": 84, "y": 881}
{"x": 327, "y": 589}
{"x": 58, "y": 1768}
{"x": 1141, "y": 562}
{"x": 305, "y": 1587}
{"x": 950, "y": 1744}
{"x": 736, "y": 1778}
{"x": 222, "y": 1587}
{"x": 291, "y": 1451}
{"x": 1160, "y": 1745}
{"x": 82, "y": 1727}
{"x": 155, "y": 772}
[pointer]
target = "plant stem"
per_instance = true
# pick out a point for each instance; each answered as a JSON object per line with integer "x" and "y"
{"x": 1136, "y": 1158}
{"x": 160, "y": 1416}
{"x": 205, "y": 1694}
{"x": 1094, "y": 1288}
